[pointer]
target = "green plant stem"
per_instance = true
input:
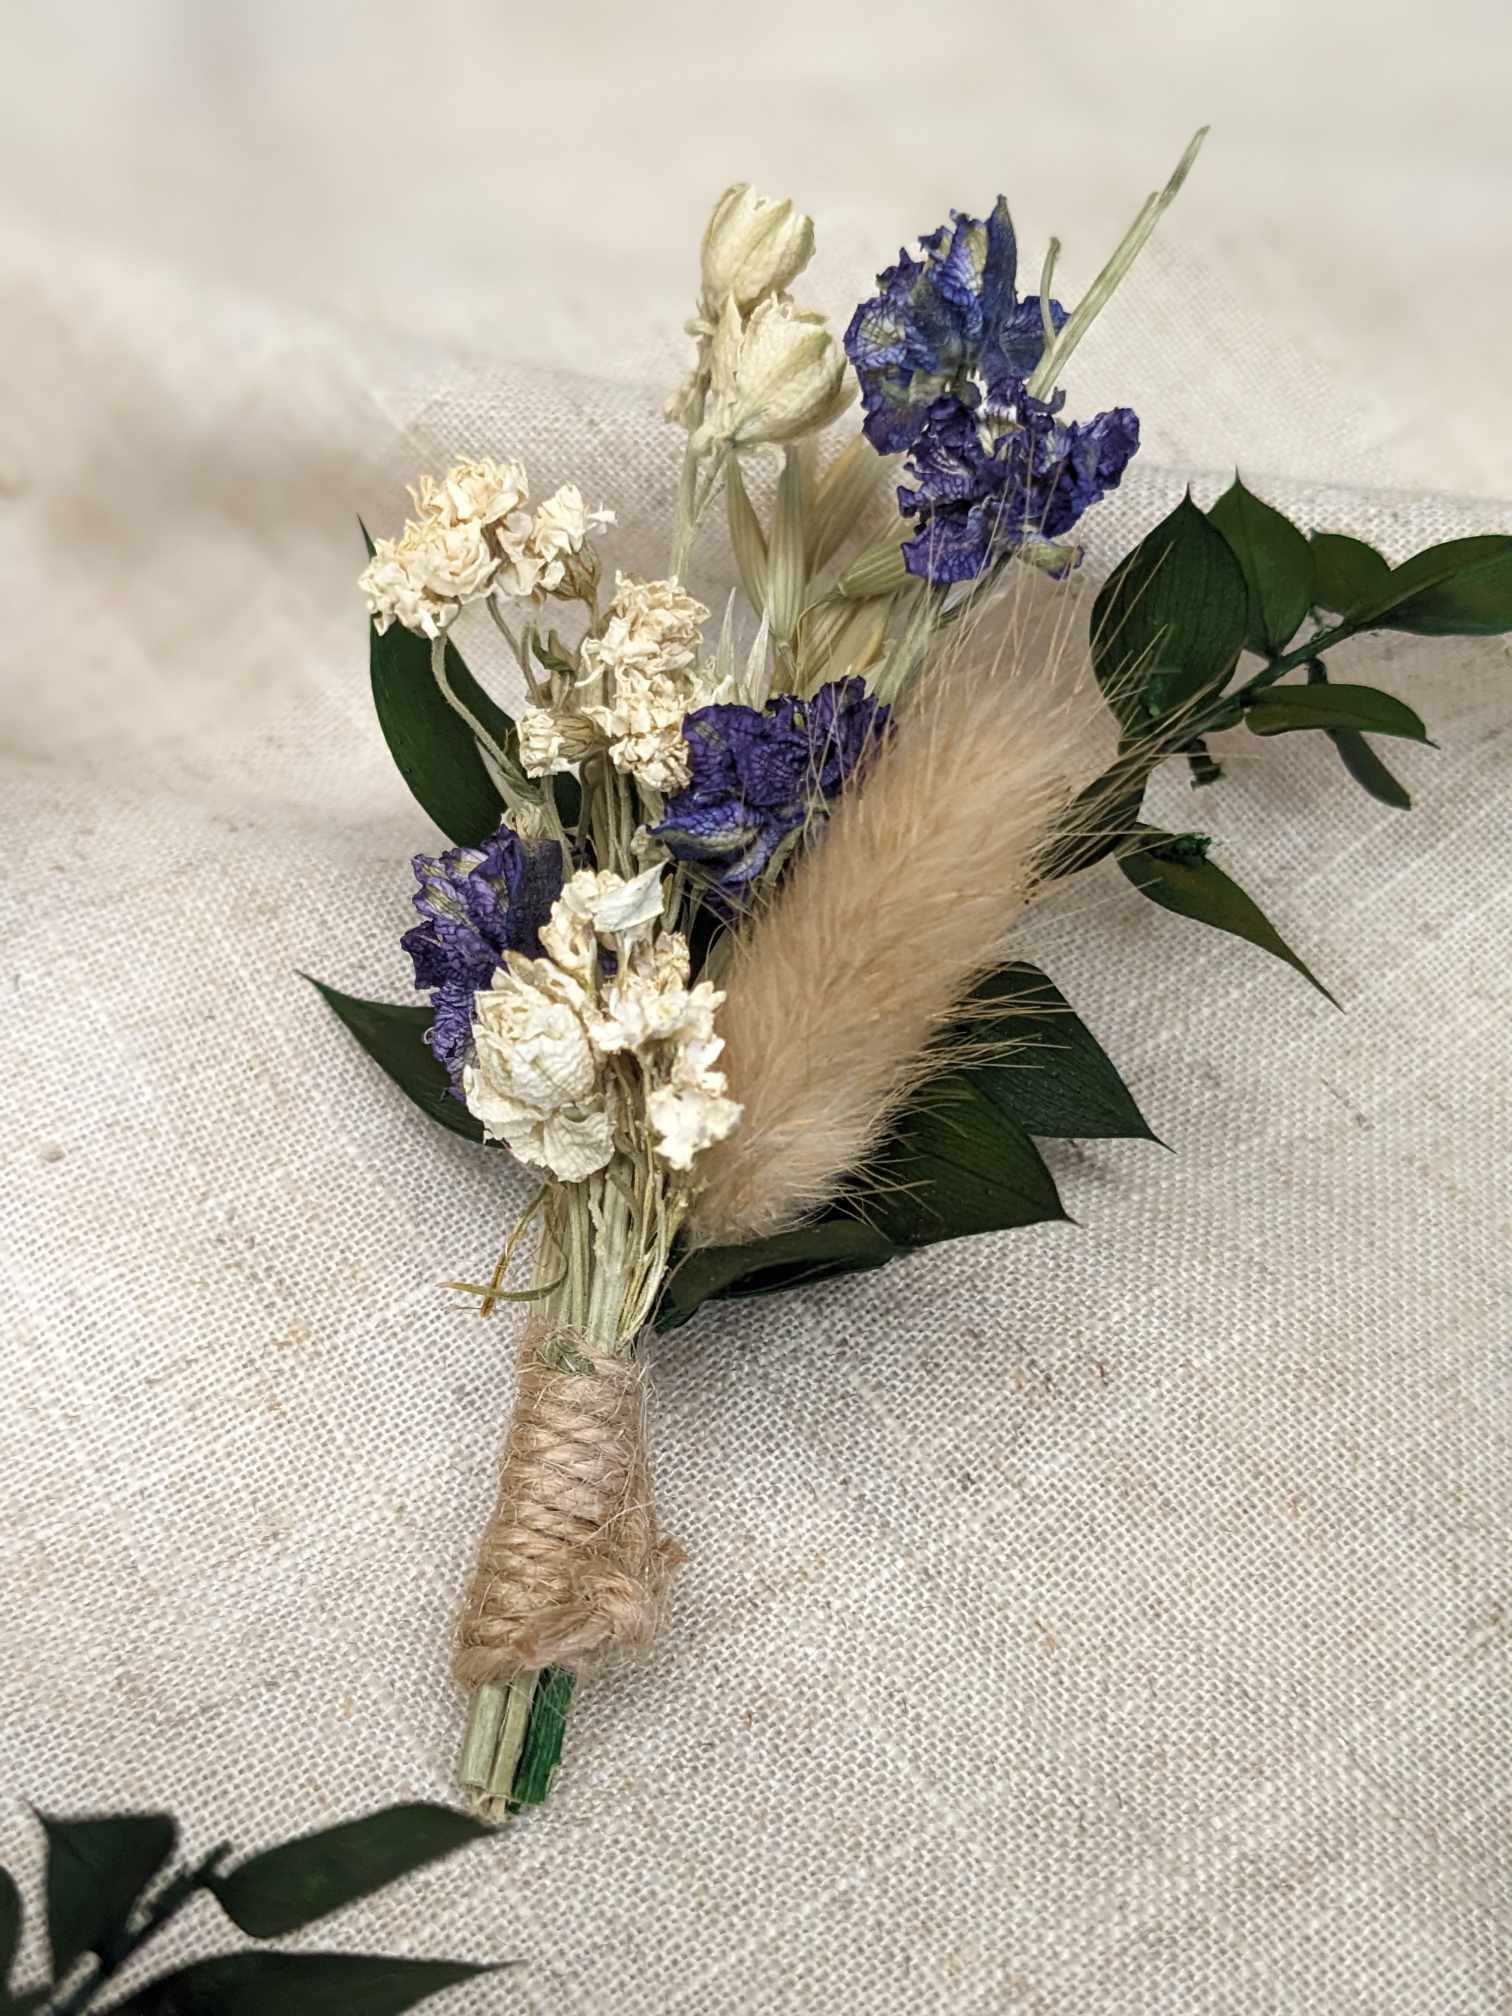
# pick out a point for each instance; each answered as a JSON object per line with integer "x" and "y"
{"x": 170, "y": 1900}
{"x": 1134, "y": 766}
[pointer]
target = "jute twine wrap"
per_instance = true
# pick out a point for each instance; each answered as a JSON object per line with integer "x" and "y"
{"x": 570, "y": 1565}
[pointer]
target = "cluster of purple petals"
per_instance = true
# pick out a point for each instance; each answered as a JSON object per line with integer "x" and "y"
{"x": 943, "y": 325}
{"x": 760, "y": 774}
{"x": 476, "y": 904}
{"x": 943, "y": 354}
{"x": 977, "y": 491}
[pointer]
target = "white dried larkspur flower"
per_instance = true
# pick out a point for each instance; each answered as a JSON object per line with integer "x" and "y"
{"x": 533, "y": 1079}
{"x": 650, "y": 1010}
{"x": 753, "y": 246}
{"x": 540, "y": 734}
{"x": 655, "y": 625}
{"x": 561, "y": 526}
{"x": 774, "y": 378}
{"x": 481, "y": 492}
{"x": 538, "y": 552}
{"x": 423, "y": 578}
{"x": 644, "y": 662}
{"x": 644, "y": 727}
{"x": 601, "y": 908}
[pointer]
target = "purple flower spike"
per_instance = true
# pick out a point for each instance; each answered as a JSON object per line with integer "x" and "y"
{"x": 944, "y": 354}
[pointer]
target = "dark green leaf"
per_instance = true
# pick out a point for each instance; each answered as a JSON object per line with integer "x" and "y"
{"x": 1055, "y": 1079}
{"x": 288, "y": 1887}
{"x": 1345, "y": 570}
{"x": 296, "y": 1984}
{"x": 435, "y": 750}
{"x": 1100, "y": 818}
{"x": 10, "y": 1930}
{"x": 1169, "y": 622}
{"x": 544, "y": 1731}
{"x": 1278, "y": 710}
{"x": 839, "y": 1245}
{"x": 1462, "y": 588}
{"x": 958, "y": 1163}
{"x": 960, "y": 1159}
{"x": 1277, "y": 563}
{"x": 1176, "y": 875}
{"x": 96, "y": 1871}
{"x": 1367, "y": 769}
{"x": 394, "y": 1037}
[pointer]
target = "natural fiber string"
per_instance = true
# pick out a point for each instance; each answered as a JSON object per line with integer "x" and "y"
{"x": 571, "y": 1564}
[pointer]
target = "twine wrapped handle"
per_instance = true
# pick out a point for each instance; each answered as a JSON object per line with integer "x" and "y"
{"x": 571, "y": 1564}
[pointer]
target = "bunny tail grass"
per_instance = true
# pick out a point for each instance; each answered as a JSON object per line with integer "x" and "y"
{"x": 836, "y": 991}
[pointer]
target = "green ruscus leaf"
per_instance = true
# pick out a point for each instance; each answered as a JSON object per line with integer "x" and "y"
{"x": 1345, "y": 570}
{"x": 960, "y": 1158}
{"x": 288, "y": 1887}
{"x": 10, "y": 1932}
{"x": 296, "y": 1984}
{"x": 1173, "y": 870}
{"x": 958, "y": 1163}
{"x": 1171, "y": 619}
{"x": 1367, "y": 769}
{"x": 433, "y": 746}
{"x": 1280, "y": 710}
{"x": 97, "y": 1868}
{"x": 1055, "y": 1079}
{"x": 1460, "y": 589}
{"x": 394, "y": 1037}
{"x": 818, "y": 1252}
{"x": 1277, "y": 564}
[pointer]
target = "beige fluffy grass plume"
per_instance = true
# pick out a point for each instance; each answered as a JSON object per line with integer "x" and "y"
{"x": 837, "y": 989}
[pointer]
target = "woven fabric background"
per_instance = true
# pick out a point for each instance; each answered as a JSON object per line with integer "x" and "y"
{"x": 1080, "y": 1621}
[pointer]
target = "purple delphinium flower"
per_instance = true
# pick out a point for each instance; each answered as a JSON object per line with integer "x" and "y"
{"x": 983, "y": 483}
{"x": 944, "y": 354}
{"x": 948, "y": 325}
{"x": 758, "y": 775}
{"x": 476, "y": 904}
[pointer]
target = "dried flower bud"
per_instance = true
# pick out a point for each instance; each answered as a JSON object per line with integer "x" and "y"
{"x": 775, "y": 378}
{"x": 754, "y": 246}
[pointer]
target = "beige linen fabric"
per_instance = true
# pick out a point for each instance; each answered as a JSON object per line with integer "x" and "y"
{"x": 1080, "y": 1621}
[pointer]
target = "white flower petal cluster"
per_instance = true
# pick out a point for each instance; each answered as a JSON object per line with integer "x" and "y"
{"x": 774, "y": 376}
{"x": 650, "y": 1010}
{"x": 541, "y": 748}
{"x": 645, "y": 663}
{"x": 471, "y": 532}
{"x": 599, "y": 908}
{"x": 533, "y": 1079}
{"x": 543, "y": 1032}
{"x": 535, "y": 557}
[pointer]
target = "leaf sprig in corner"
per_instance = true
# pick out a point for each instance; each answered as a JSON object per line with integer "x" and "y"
{"x": 101, "y": 1907}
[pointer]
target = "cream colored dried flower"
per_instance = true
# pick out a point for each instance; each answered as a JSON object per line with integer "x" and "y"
{"x": 541, "y": 750}
{"x": 601, "y": 908}
{"x": 561, "y": 526}
{"x": 537, "y": 553}
{"x": 644, "y": 661}
{"x": 423, "y": 578}
{"x": 753, "y": 246}
{"x": 774, "y": 378}
{"x": 480, "y": 492}
{"x": 654, "y": 625}
{"x": 651, "y": 1011}
{"x": 644, "y": 727}
{"x": 455, "y": 561}
{"x": 533, "y": 1079}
